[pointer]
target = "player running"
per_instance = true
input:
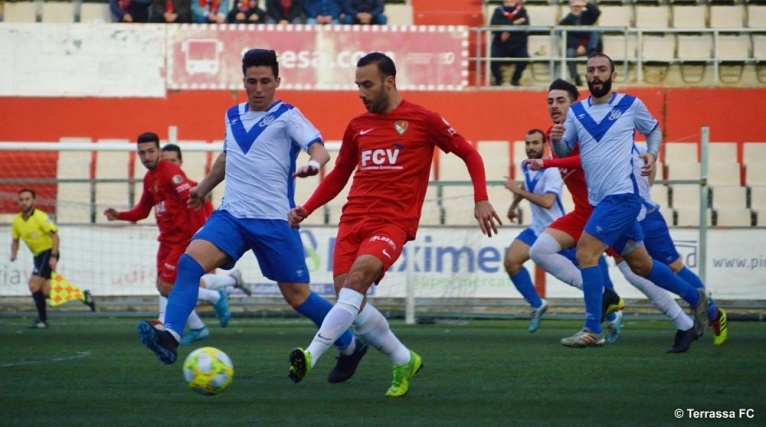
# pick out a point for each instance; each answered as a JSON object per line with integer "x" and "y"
{"x": 389, "y": 151}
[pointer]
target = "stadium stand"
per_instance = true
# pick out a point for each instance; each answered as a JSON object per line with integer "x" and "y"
{"x": 113, "y": 165}
{"x": 727, "y": 16}
{"x": 694, "y": 56}
{"x": 648, "y": 17}
{"x": 95, "y": 12}
{"x": 688, "y": 17}
{"x": 58, "y": 12}
{"x": 21, "y": 12}
{"x": 616, "y": 16}
{"x": 73, "y": 165}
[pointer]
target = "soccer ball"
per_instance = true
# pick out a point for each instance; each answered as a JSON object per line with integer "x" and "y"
{"x": 208, "y": 371}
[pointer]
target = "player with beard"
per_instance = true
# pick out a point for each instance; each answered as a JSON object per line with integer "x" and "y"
{"x": 389, "y": 150}
{"x": 603, "y": 126}
{"x": 542, "y": 188}
{"x": 565, "y": 231}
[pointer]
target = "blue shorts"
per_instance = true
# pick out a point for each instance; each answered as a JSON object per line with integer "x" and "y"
{"x": 657, "y": 238}
{"x": 614, "y": 222}
{"x": 529, "y": 237}
{"x": 277, "y": 247}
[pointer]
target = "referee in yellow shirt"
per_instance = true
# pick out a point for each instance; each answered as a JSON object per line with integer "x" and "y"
{"x": 39, "y": 232}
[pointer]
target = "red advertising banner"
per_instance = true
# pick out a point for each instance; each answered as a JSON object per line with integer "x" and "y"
{"x": 317, "y": 57}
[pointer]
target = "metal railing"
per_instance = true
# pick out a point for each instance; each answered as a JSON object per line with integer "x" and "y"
{"x": 632, "y": 56}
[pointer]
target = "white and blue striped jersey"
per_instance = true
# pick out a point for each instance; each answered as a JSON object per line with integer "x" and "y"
{"x": 606, "y": 134}
{"x": 261, "y": 150}
{"x": 542, "y": 182}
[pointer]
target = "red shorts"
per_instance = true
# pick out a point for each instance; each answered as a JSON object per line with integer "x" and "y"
{"x": 572, "y": 223}
{"x": 167, "y": 261}
{"x": 382, "y": 240}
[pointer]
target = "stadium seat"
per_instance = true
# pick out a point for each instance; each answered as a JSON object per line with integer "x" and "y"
{"x": 756, "y": 16}
{"x": 683, "y": 170}
{"x": 544, "y": 16}
{"x": 753, "y": 152}
{"x": 21, "y": 11}
{"x": 304, "y": 187}
{"x": 566, "y": 199}
{"x": 659, "y": 194}
{"x": 723, "y": 173}
{"x": 733, "y": 53}
{"x": 541, "y": 49}
{"x": 496, "y": 155}
{"x": 617, "y": 48}
{"x": 689, "y": 17}
{"x": 669, "y": 214}
{"x": 727, "y": 16}
{"x": 457, "y": 202}
{"x": 58, "y": 12}
{"x": 759, "y": 55}
{"x": 758, "y": 198}
{"x": 694, "y": 54}
{"x": 733, "y": 217}
{"x": 680, "y": 152}
{"x": 616, "y": 16}
{"x": 755, "y": 173}
{"x": 685, "y": 196}
{"x": 657, "y": 53}
{"x": 722, "y": 152}
{"x": 73, "y": 200}
{"x": 691, "y": 217}
{"x": 114, "y": 165}
{"x": 519, "y": 154}
{"x": 651, "y": 17}
{"x": 728, "y": 196}
{"x": 399, "y": 14}
{"x": 95, "y": 12}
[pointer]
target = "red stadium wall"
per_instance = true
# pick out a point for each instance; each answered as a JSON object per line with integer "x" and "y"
{"x": 732, "y": 114}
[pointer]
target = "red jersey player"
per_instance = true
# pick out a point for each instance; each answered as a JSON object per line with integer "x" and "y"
{"x": 166, "y": 189}
{"x": 391, "y": 149}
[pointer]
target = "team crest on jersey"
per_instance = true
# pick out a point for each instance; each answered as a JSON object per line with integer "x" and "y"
{"x": 267, "y": 120}
{"x": 449, "y": 127}
{"x": 177, "y": 179}
{"x": 401, "y": 126}
{"x": 615, "y": 114}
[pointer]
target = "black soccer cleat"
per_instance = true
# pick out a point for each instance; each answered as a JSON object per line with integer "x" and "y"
{"x": 88, "y": 300}
{"x": 347, "y": 364}
{"x": 160, "y": 342}
{"x": 682, "y": 341}
{"x": 610, "y": 302}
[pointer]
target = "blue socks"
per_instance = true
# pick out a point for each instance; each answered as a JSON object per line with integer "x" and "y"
{"x": 316, "y": 308}
{"x": 689, "y": 277}
{"x": 184, "y": 295}
{"x": 663, "y": 277}
{"x": 592, "y": 287}
{"x": 524, "y": 285}
{"x": 605, "y": 272}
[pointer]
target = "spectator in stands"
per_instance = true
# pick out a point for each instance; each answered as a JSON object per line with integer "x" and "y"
{"x": 364, "y": 12}
{"x": 284, "y": 12}
{"x": 509, "y": 44}
{"x": 130, "y": 10}
{"x": 581, "y": 43}
{"x": 171, "y": 11}
{"x": 210, "y": 11}
{"x": 323, "y": 12}
{"x": 246, "y": 12}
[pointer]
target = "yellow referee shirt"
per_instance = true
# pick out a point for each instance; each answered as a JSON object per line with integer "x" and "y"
{"x": 35, "y": 231}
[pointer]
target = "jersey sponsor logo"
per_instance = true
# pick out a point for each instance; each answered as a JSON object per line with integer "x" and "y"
{"x": 401, "y": 126}
{"x": 177, "y": 179}
{"x": 615, "y": 114}
{"x": 380, "y": 159}
{"x": 269, "y": 119}
{"x": 364, "y": 132}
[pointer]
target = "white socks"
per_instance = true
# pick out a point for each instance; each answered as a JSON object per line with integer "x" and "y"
{"x": 659, "y": 297}
{"x": 194, "y": 321}
{"x": 373, "y": 327}
{"x": 209, "y": 295}
{"x": 336, "y": 322}
{"x": 215, "y": 282}
{"x": 545, "y": 253}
